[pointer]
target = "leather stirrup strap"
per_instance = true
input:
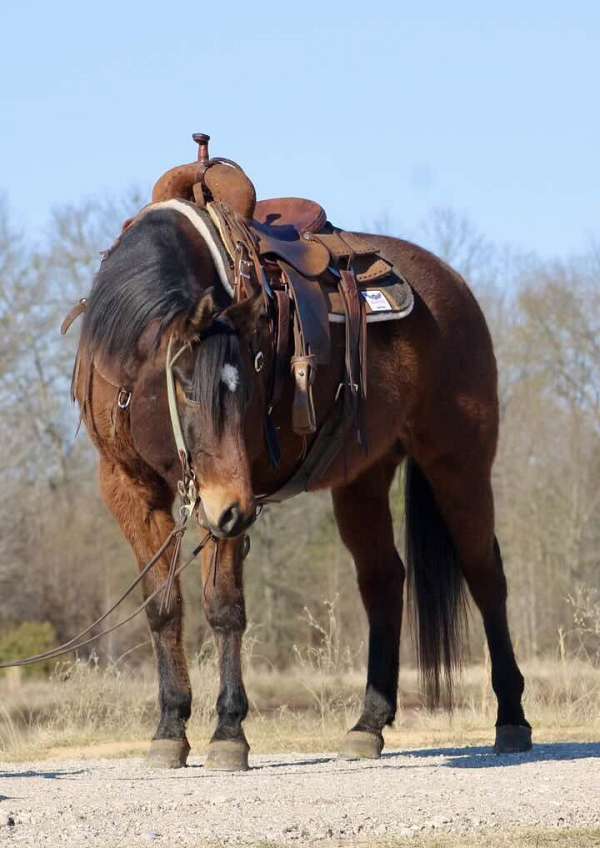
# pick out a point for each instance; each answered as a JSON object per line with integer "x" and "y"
{"x": 312, "y": 345}
{"x": 282, "y": 346}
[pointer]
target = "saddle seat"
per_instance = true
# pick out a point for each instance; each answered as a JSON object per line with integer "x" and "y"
{"x": 306, "y": 216}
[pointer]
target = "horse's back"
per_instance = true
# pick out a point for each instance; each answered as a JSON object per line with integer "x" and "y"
{"x": 447, "y": 325}
{"x": 434, "y": 371}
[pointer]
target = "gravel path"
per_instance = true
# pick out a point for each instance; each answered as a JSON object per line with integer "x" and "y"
{"x": 298, "y": 798}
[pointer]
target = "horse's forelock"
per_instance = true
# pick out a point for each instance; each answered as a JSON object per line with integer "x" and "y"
{"x": 220, "y": 385}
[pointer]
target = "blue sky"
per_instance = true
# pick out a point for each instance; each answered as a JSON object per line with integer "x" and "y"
{"x": 379, "y": 110}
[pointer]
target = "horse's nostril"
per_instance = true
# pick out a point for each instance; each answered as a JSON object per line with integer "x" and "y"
{"x": 231, "y": 520}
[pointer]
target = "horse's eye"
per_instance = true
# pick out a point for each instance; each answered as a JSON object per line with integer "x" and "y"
{"x": 259, "y": 361}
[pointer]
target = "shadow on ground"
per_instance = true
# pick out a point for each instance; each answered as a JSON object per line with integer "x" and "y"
{"x": 484, "y": 757}
{"x": 48, "y": 775}
{"x": 469, "y": 757}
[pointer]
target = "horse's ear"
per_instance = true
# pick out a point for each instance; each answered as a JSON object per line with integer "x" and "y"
{"x": 206, "y": 310}
{"x": 246, "y": 315}
{"x": 148, "y": 341}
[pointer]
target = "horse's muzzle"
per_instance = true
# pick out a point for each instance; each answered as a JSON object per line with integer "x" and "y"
{"x": 232, "y": 522}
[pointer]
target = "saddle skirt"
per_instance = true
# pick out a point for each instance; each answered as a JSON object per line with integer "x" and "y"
{"x": 385, "y": 294}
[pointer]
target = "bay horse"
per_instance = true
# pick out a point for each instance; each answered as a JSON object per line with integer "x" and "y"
{"x": 431, "y": 403}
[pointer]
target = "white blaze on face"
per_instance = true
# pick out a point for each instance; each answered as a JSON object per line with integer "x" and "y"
{"x": 230, "y": 376}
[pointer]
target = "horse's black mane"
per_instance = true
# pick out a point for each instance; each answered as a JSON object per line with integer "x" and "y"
{"x": 154, "y": 273}
{"x": 157, "y": 271}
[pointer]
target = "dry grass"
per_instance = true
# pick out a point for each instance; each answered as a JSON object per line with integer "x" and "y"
{"x": 88, "y": 710}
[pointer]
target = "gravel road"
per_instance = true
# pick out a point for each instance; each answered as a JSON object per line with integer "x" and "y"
{"x": 298, "y": 799}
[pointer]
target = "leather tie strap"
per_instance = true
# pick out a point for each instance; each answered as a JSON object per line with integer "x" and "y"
{"x": 72, "y": 315}
{"x": 355, "y": 357}
{"x": 349, "y": 291}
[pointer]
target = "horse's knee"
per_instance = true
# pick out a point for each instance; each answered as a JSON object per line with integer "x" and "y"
{"x": 226, "y": 614}
{"x": 175, "y": 700}
{"x": 161, "y": 616}
{"x": 232, "y": 702}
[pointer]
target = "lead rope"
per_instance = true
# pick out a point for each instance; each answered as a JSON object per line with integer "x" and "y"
{"x": 78, "y": 642}
{"x": 167, "y": 598}
{"x": 70, "y": 645}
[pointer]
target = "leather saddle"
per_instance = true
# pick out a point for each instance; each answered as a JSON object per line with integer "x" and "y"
{"x": 314, "y": 272}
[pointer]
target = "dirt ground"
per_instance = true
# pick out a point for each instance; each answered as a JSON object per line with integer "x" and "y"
{"x": 421, "y": 797}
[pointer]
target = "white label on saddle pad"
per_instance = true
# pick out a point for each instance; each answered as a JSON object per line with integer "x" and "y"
{"x": 376, "y": 300}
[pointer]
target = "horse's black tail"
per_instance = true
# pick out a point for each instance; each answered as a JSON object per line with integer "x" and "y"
{"x": 436, "y": 588}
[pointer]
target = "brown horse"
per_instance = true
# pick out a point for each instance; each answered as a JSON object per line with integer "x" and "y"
{"x": 431, "y": 401}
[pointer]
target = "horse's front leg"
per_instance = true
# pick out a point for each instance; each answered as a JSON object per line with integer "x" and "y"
{"x": 143, "y": 512}
{"x": 222, "y": 567}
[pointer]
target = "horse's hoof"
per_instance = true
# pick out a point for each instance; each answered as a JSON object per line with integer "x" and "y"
{"x": 168, "y": 753}
{"x": 227, "y": 755}
{"x": 512, "y": 739}
{"x": 361, "y": 745}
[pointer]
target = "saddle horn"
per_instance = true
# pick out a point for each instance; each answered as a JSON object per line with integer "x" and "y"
{"x": 208, "y": 179}
{"x": 202, "y": 140}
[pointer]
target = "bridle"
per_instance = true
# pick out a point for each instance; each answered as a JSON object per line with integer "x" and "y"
{"x": 187, "y": 485}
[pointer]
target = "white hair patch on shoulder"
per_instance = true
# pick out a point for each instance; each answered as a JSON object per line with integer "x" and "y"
{"x": 230, "y": 376}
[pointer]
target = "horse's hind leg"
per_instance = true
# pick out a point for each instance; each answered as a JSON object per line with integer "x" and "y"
{"x": 364, "y": 520}
{"x": 463, "y": 492}
{"x": 143, "y": 512}
{"x": 222, "y": 569}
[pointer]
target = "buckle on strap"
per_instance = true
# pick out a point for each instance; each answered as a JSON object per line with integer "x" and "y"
{"x": 187, "y": 488}
{"x": 123, "y": 398}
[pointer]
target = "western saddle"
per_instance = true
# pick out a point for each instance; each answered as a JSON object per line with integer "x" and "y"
{"x": 312, "y": 274}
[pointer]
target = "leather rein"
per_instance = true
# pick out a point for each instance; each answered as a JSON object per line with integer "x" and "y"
{"x": 80, "y": 640}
